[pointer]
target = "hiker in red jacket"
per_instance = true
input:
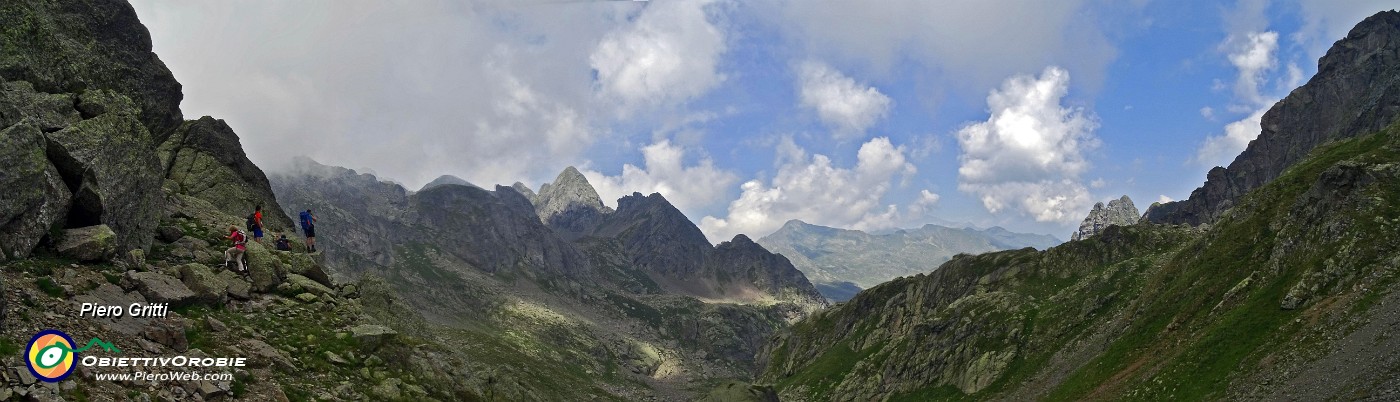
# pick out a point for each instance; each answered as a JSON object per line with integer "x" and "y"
{"x": 236, "y": 252}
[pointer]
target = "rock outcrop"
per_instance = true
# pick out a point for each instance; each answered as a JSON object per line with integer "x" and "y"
{"x": 740, "y": 266}
{"x": 1356, "y": 91}
{"x": 85, "y": 106}
{"x": 1118, "y": 212}
{"x": 569, "y": 205}
{"x": 204, "y": 159}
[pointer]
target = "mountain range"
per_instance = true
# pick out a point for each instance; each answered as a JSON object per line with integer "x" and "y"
{"x": 841, "y": 262}
{"x": 1275, "y": 281}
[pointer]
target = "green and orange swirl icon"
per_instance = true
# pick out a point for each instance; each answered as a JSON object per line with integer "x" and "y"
{"x": 50, "y": 355}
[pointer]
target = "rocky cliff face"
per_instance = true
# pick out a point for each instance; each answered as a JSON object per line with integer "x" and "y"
{"x": 91, "y": 114}
{"x": 840, "y": 262}
{"x": 1356, "y": 91}
{"x": 1118, "y": 212}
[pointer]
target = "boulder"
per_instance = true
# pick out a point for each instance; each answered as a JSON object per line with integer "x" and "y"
{"x": 92, "y": 243}
{"x": 298, "y": 284}
{"x": 207, "y": 286}
{"x": 169, "y": 332}
{"x": 238, "y": 288}
{"x": 169, "y": 234}
{"x": 306, "y": 297}
{"x": 302, "y": 264}
{"x": 36, "y": 196}
{"x": 115, "y": 178}
{"x": 264, "y": 268}
{"x": 371, "y": 336}
{"x": 160, "y": 288}
{"x": 265, "y": 355}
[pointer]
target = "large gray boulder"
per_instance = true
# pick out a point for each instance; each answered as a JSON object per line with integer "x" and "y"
{"x": 264, "y": 269}
{"x": 1118, "y": 212}
{"x": 116, "y": 178}
{"x": 36, "y": 197}
{"x": 371, "y": 336}
{"x": 207, "y": 286}
{"x": 92, "y": 243}
{"x": 160, "y": 288}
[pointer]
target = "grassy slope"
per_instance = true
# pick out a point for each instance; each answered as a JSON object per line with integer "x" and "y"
{"x": 1190, "y": 312}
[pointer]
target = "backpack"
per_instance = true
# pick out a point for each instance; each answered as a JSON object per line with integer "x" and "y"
{"x": 252, "y": 223}
{"x": 242, "y": 239}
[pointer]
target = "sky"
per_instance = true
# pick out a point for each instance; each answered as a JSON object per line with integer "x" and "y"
{"x": 868, "y": 115}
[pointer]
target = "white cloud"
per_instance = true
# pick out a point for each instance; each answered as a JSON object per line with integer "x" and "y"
{"x": 1253, "y": 54}
{"x": 1027, "y": 156}
{"x": 845, "y": 106}
{"x": 1098, "y": 183}
{"x": 811, "y": 189}
{"x": 1163, "y": 199}
{"x": 1220, "y": 150}
{"x": 687, "y": 187}
{"x": 415, "y": 90}
{"x": 669, "y": 55}
{"x": 1208, "y": 113}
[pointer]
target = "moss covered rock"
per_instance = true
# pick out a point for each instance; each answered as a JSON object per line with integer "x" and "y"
{"x": 92, "y": 243}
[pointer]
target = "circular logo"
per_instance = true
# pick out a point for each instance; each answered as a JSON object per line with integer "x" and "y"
{"x": 50, "y": 355}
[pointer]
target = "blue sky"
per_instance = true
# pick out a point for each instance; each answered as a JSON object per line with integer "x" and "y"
{"x": 867, "y": 115}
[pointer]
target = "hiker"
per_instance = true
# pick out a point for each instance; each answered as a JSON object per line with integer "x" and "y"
{"x": 255, "y": 224}
{"x": 308, "y": 226}
{"x": 236, "y": 252}
{"x": 283, "y": 244}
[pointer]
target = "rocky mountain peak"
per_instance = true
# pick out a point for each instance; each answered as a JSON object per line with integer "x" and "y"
{"x": 1356, "y": 91}
{"x": 446, "y": 179}
{"x": 570, "y": 190}
{"x": 1118, "y": 212}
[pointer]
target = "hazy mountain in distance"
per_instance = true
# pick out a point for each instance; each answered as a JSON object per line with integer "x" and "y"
{"x": 840, "y": 262}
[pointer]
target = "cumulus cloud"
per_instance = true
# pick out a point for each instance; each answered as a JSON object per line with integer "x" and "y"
{"x": 664, "y": 171}
{"x": 1219, "y": 150}
{"x": 846, "y": 107}
{"x": 1027, "y": 157}
{"x": 811, "y": 188}
{"x": 1163, "y": 199}
{"x": 1254, "y": 56}
{"x": 669, "y": 55}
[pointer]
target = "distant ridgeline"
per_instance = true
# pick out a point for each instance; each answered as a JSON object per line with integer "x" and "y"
{"x": 841, "y": 262}
{"x": 1277, "y": 280}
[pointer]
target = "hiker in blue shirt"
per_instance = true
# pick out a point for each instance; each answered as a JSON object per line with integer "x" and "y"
{"x": 308, "y": 226}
